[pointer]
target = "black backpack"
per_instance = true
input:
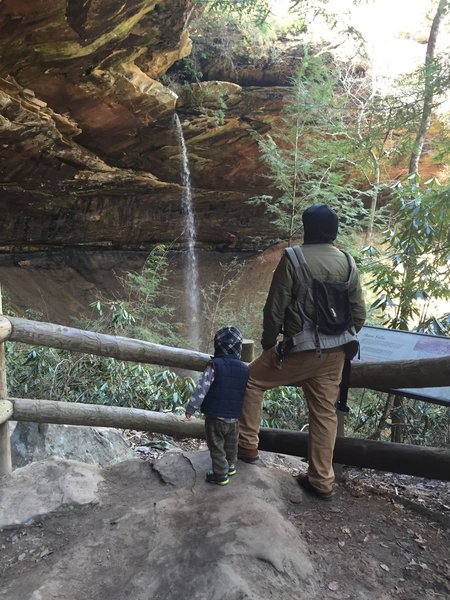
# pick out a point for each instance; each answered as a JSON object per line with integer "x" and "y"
{"x": 332, "y": 312}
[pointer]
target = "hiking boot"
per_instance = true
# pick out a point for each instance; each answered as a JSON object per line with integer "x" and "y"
{"x": 307, "y": 486}
{"x": 231, "y": 470}
{"x": 211, "y": 477}
{"x": 248, "y": 455}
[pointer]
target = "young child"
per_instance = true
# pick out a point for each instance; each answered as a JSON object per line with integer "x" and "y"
{"x": 220, "y": 394}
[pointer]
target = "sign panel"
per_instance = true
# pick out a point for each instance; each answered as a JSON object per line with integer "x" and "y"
{"x": 380, "y": 344}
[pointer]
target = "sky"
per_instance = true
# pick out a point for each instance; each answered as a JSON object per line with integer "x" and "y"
{"x": 395, "y": 30}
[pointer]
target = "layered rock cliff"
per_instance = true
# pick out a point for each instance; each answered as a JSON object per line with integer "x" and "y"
{"x": 88, "y": 153}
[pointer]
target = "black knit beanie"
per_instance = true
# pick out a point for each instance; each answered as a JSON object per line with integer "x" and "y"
{"x": 320, "y": 224}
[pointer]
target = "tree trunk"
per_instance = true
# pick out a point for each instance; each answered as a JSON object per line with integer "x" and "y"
{"x": 427, "y": 372}
{"x": 122, "y": 348}
{"x": 5, "y": 444}
{"x": 429, "y": 87}
{"x": 383, "y": 419}
{"x": 397, "y": 420}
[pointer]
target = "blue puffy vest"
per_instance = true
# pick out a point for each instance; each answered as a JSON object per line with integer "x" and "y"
{"x": 226, "y": 394}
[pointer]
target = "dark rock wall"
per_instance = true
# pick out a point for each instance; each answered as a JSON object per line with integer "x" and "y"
{"x": 88, "y": 154}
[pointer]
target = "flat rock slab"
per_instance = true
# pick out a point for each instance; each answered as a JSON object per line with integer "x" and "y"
{"x": 161, "y": 532}
{"x": 46, "y": 487}
{"x": 158, "y": 531}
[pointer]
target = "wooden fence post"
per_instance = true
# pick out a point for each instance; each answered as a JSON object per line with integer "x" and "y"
{"x": 5, "y": 442}
{"x": 248, "y": 350}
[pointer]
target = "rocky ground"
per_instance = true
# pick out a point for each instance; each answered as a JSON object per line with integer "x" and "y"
{"x": 430, "y": 497}
{"x": 155, "y": 530}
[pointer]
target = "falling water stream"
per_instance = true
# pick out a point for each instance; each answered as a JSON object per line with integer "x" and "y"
{"x": 191, "y": 289}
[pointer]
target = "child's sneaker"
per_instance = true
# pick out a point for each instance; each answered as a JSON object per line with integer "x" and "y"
{"x": 211, "y": 477}
{"x": 231, "y": 470}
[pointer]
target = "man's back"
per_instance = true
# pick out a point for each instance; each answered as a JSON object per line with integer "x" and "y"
{"x": 328, "y": 263}
{"x": 281, "y": 312}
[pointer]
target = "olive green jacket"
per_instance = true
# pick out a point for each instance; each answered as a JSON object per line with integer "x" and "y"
{"x": 281, "y": 312}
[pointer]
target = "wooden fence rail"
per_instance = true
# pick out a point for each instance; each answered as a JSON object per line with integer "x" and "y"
{"x": 98, "y": 415}
{"x": 398, "y": 458}
{"x": 36, "y": 333}
{"x": 398, "y": 374}
{"x": 431, "y": 372}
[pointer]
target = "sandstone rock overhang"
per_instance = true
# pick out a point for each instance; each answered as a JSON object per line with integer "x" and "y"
{"x": 88, "y": 154}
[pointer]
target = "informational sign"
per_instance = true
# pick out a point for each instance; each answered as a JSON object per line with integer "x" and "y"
{"x": 380, "y": 344}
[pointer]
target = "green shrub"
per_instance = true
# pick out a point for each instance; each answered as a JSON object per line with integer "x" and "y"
{"x": 284, "y": 407}
{"x": 50, "y": 374}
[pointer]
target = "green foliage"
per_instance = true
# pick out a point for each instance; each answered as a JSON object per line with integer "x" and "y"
{"x": 436, "y": 325}
{"x": 411, "y": 272}
{"x": 423, "y": 423}
{"x": 309, "y": 154}
{"x": 170, "y": 391}
{"x": 256, "y": 10}
{"x": 409, "y": 278}
{"x": 380, "y": 125}
{"x": 60, "y": 375}
{"x": 52, "y": 374}
{"x": 285, "y": 407}
{"x": 185, "y": 71}
{"x": 441, "y": 142}
{"x": 222, "y": 306}
{"x": 220, "y": 40}
{"x": 145, "y": 313}
{"x": 208, "y": 99}
{"x": 365, "y": 406}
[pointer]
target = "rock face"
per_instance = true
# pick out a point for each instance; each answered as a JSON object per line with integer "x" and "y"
{"x": 88, "y": 152}
{"x": 31, "y": 442}
{"x": 62, "y": 484}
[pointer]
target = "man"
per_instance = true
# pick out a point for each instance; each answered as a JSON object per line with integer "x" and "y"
{"x": 289, "y": 310}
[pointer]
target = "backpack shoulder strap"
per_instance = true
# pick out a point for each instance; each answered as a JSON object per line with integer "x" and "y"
{"x": 292, "y": 256}
{"x": 297, "y": 258}
{"x": 298, "y": 261}
{"x": 351, "y": 265}
{"x": 305, "y": 279}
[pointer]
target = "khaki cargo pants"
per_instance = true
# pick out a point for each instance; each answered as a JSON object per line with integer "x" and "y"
{"x": 320, "y": 378}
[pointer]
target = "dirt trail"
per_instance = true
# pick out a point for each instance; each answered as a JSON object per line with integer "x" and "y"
{"x": 159, "y": 532}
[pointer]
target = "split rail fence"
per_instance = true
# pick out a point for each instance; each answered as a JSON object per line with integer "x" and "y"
{"x": 400, "y": 458}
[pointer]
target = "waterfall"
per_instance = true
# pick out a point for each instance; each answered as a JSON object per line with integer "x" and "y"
{"x": 192, "y": 301}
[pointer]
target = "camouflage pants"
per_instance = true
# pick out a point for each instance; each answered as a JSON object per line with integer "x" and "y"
{"x": 222, "y": 440}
